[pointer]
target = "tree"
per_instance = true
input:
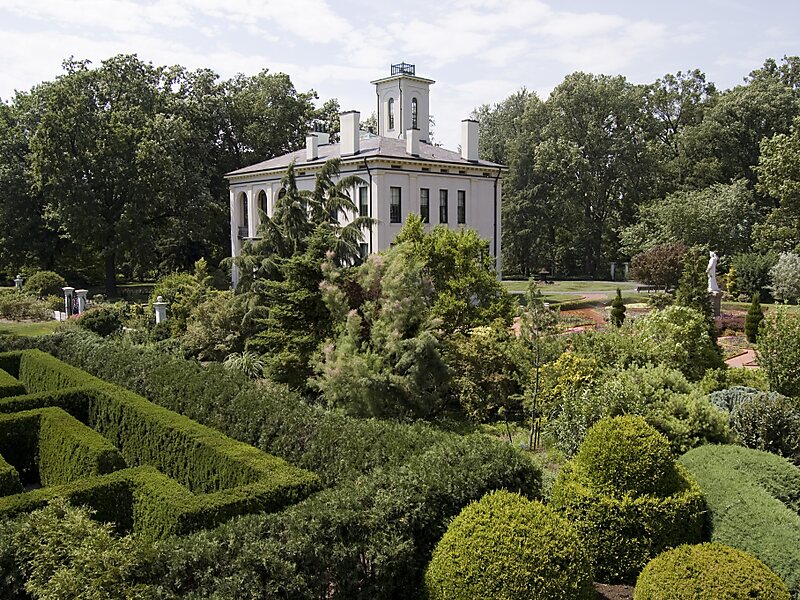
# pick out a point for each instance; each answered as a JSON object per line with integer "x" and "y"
{"x": 385, "y": 356}
{"x": 692, "y": 289}
{"x": 112, "y": 159}
{"x": 461, "y": 269}
{"x": 754, "y": 317}
{"x": 618, "y": 310}
{"x": 785, "y": 276}
{"x": 537, "y": 324}
{"x": 661, "y": 265}
{"x": 720, "y": 216}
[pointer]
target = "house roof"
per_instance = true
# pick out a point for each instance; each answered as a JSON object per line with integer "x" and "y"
{"x": 380, "y": 147}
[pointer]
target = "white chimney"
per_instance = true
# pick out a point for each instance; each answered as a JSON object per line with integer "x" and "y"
{"x": 350, "y": 134}
{"x": 323, "y": 137}
{"x": 469, "y": 140}
{"x": 412, "y": 142}
{"x": 312, "y": 152}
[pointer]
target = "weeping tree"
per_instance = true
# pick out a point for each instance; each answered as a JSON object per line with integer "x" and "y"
{"x": 285, "y": 317}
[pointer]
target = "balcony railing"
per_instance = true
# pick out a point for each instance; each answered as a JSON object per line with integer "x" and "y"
{"x": 403, "y": 69}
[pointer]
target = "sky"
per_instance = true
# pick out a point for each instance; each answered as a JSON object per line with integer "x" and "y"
{"x": 477, "y": 51}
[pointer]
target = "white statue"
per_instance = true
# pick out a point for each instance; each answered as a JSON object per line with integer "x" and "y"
{"x": 711, "y": 271}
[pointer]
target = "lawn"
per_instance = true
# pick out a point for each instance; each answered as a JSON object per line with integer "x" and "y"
{"x": 572, "y": 286}
{"x": 27, "y": 328}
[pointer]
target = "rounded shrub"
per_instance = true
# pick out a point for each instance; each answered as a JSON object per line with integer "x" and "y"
{"x": 505, "y": 546}
{"x": 627, "y": 497}
{"x": 45, "y": 283}
{"x": 708, "y": 572}
{"x": 102, "y": 320}
{"x": 769, "y": 422}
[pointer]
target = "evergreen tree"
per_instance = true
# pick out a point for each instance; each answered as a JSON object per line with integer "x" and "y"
{"x": 692, "y": 289}
{"x": 618, "y": 310}
{"x": 753, "y": 320}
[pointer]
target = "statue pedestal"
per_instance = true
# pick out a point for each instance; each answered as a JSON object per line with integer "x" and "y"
{"x": 716, "y": 302}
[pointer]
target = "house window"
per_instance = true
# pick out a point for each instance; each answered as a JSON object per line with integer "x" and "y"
{"x": 262, "y": 201}
{"x": 394, "y": 207}
{"x": 425, "y": 205}
{"x": 442, "y": 206}
{"x": 462, "y": 207}
{"x": 363, "y": 208}
{"x": 391, "y": 113}
{"x": 414, "y": 114}
{"x": 245, "y": 216}
{"x": 363, "y": 250}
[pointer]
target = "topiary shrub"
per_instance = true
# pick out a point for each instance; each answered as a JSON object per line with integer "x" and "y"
{"x": 618, "y": 310}
{"x": 505, "y": 546}
{"x": 627, "y": 497}
{"x": 708, "y": 572}
{"x": 45, "y": 283}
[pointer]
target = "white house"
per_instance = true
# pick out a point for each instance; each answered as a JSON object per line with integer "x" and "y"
{"x": 403, "y": 172}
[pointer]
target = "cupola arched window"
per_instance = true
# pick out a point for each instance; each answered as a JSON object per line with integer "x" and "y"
{"x": 414, "y": 121}
{"x": 391, "y": 113}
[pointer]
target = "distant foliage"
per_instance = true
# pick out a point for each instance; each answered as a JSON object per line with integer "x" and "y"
{"x": 102, "y": 320}
{"x": 45, "y": 283}
{"x": 751, "y": 272}
{"x": 660, "y": 300}
{"x": 769, "y": 422}
{"x": 17, "y": 306}
{"x": 785, "y": 277}
{"x": 505, "y": 546}
{"x": 708, "y": 572}
{"x": 661, "y": 265}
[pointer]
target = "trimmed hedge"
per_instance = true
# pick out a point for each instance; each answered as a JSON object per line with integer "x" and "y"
{"x": 743, "y": 490}
{"x": 708, "y": 572}
{"x": 505, "y": 546}
{"x": 628, "y": 517}
{"x": 263, "y": 414}
{"x": 9, "y": 479}
{"x": 370, "y": 538}
{"x": 230, "y": 476}
{"x": 9, "y": 386}
{"x": 57, "y": 446}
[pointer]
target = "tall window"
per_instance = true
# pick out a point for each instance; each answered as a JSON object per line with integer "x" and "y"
{"x": 391, "y": 113}
{"x": 262, "y": 200}
{"x": 414, "y": 114}
{"x": 363, "y": 250}
{"x": 425, "y": 204}
{"x": 394, "y": 207}
{"x": 442, "y": 206}
{"x": 363, "y": 208}
{"x": 244, "y": 230}
{"x": 462, "y": 207}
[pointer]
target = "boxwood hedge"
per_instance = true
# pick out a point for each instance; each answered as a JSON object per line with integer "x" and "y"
{"x": 9, "y": 386}
{"x": 708, "y": 572}
{"x": 224, "y": 477}
{"x": 264, "y": 414}
{"x": 627, "y": 497}
{"x": 748, "y": 493}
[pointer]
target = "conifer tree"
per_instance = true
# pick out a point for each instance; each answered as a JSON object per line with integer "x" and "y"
{"x": 754, "y": 317}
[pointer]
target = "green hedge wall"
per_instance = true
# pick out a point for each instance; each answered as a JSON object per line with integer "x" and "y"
{"x": 9, "y": 386}
{"x": 266, "y": 415}
{"x": 9, "y": 479}
{"x": 229, "y": 477}
{"x": 744, "y": 489}
{"x": 370, "y": 538}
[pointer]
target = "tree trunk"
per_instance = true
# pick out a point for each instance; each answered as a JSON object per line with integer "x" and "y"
{"x": 111, "y": 274}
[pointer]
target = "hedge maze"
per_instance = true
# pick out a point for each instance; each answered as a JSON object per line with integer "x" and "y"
{"x": 141, "y": 466}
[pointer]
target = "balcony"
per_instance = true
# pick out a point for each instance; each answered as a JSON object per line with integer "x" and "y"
{"x": 403, "y": 69}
